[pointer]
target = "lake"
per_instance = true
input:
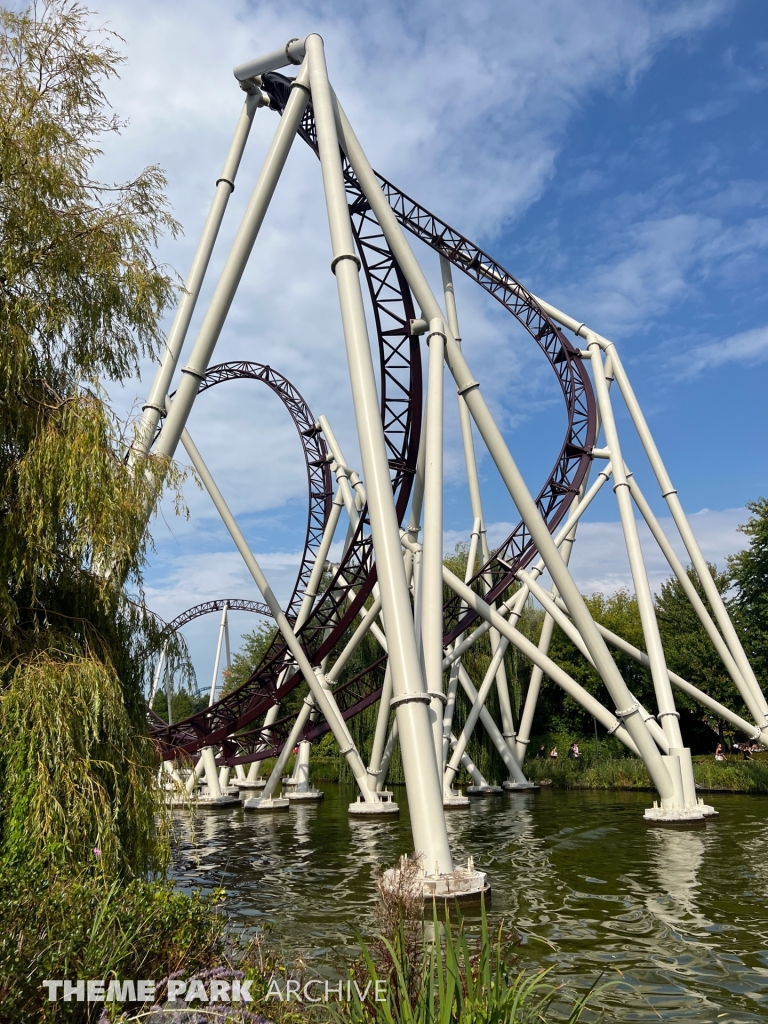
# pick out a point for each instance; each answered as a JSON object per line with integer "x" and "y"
{"x": 682, "y": 914}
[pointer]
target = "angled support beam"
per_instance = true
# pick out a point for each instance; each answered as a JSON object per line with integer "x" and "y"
{"x": 225, "y": 291}
{"x": 323, "y": 698}
{"x": 154, "y": 407}
{"x": 410, "y": 697}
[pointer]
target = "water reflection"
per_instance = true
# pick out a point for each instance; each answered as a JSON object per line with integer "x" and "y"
{"x": 677, "y": 857}
{"x": 680, "y": 914}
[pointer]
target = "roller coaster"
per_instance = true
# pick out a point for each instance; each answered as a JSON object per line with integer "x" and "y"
{"x": 390, "y": 580}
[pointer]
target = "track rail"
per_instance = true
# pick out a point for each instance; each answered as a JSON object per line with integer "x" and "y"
{"x": 233, "y": 604}
{"x": 401, "y": 400}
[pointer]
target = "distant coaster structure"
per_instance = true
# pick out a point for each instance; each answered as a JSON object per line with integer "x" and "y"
{"x": 390, "y": 578}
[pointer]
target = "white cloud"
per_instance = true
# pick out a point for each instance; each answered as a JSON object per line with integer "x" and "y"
{"x": 652, "y": 262}
{"x": 749, "y": 347}
{"x": 599, "y": 559}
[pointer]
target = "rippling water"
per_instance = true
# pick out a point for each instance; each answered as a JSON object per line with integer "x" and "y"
{"x": 682, "y": 914}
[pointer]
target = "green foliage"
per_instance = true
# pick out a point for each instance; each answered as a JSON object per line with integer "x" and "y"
{"x": 748, "y": 573}
{"x": 688, "y": 650}
{"x": 558, "y": 712}
{"x": 732, "y": 776}
{"x": 184, "y": 703}
{"x": 81, "y": 297}
{"x": 452, "y": 980}
{"x": 85, "y": 927}
{"x": 78, "y": 777}
{"x": 255, "y": 646}
{"x": 606, "y": 773}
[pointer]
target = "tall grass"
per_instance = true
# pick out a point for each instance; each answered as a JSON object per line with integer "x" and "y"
{"x": 435, "y": 973}
{"x": 454, "y": 981}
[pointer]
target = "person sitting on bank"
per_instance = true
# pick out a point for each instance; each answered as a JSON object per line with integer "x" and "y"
{"x": 747, "y": 753}
{"x": 553, "y": 754}
{"x": 573, "y": 751}
{"x": 719, "y": 754}
{"x": 541, "y": 754}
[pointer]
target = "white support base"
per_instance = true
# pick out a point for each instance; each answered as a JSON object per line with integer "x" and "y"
{"x": 230, "y": 791}
{"x": 307, "y": 796}
{"x": 483, "y": 790}
{"x": 519, "y": 787}
{"x": 277, "y": 803}
{"x": 460, "y": 884}
{"x": 455, "y": 801}
{"x": 250, "y": 784}
{"x": 193, "y": 800}
{"x": 361, "y": 809}
{"x": 674, "y": 815}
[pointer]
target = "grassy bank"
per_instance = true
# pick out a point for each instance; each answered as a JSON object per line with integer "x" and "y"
{"x": 608, "y": 772}
{"x": 732, "y": 776}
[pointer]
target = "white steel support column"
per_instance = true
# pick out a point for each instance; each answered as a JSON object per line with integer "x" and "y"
{"x": 749, "y": 730}
{"x": 322, "y": 556}
{"x": 158, "y": 673}
{"x": 693, "y": 596}
{"x": 276, "y": 774}
{"x": 233, "y": 270}
{"x": 473, "y": 480}
{"x": 422, "y": 780}
{"x": 453, "y": 678}
{"x": 432, "y": 545}
{"x": 208, "y": 758}
{"x": 492, "y": 729}
{"x": 323, "y": 699}
{"x": 382, "y": 724}
{"x": 154, "y": 407}
{"x": 668, "y": 715}
{"x": 482, "y": 695}
{"x": 611, "y": 722}
{"x": 669, "y": 493}
{"x": 217, "y": 661}
{"x": 510, "y": 474}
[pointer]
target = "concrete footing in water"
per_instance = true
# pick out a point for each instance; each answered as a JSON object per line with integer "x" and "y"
{"x": 361, "y": 809}
{"x": 460, "y": 884}
{"x": 202, "y": 800}
{"x": 308, "y": 796}
{"x": 455, "y": 801}
{"x": 276, "y": 803}
{"x": 519, "y": 787}
{"x": 678, "y": 815}
{"x": 483, "y": 790}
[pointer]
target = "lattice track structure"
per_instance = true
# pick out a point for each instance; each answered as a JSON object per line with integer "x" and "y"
{"x": 390, "y": 578}
{"x": 233, "y": 604}
{"x": 401, "y": 401}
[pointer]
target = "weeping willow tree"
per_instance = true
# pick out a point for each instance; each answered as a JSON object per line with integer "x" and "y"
{"x": 81, "y": 297}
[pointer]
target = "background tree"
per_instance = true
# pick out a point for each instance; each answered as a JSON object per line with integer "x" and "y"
{"x": 557, "y": 712}
{"x": 691, "y": 654}
{"x": 81, "y": 297}
{"x": 748, "y": 573}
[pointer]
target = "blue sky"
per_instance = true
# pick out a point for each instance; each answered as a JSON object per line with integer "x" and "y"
{"x": 610, "y": 153}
